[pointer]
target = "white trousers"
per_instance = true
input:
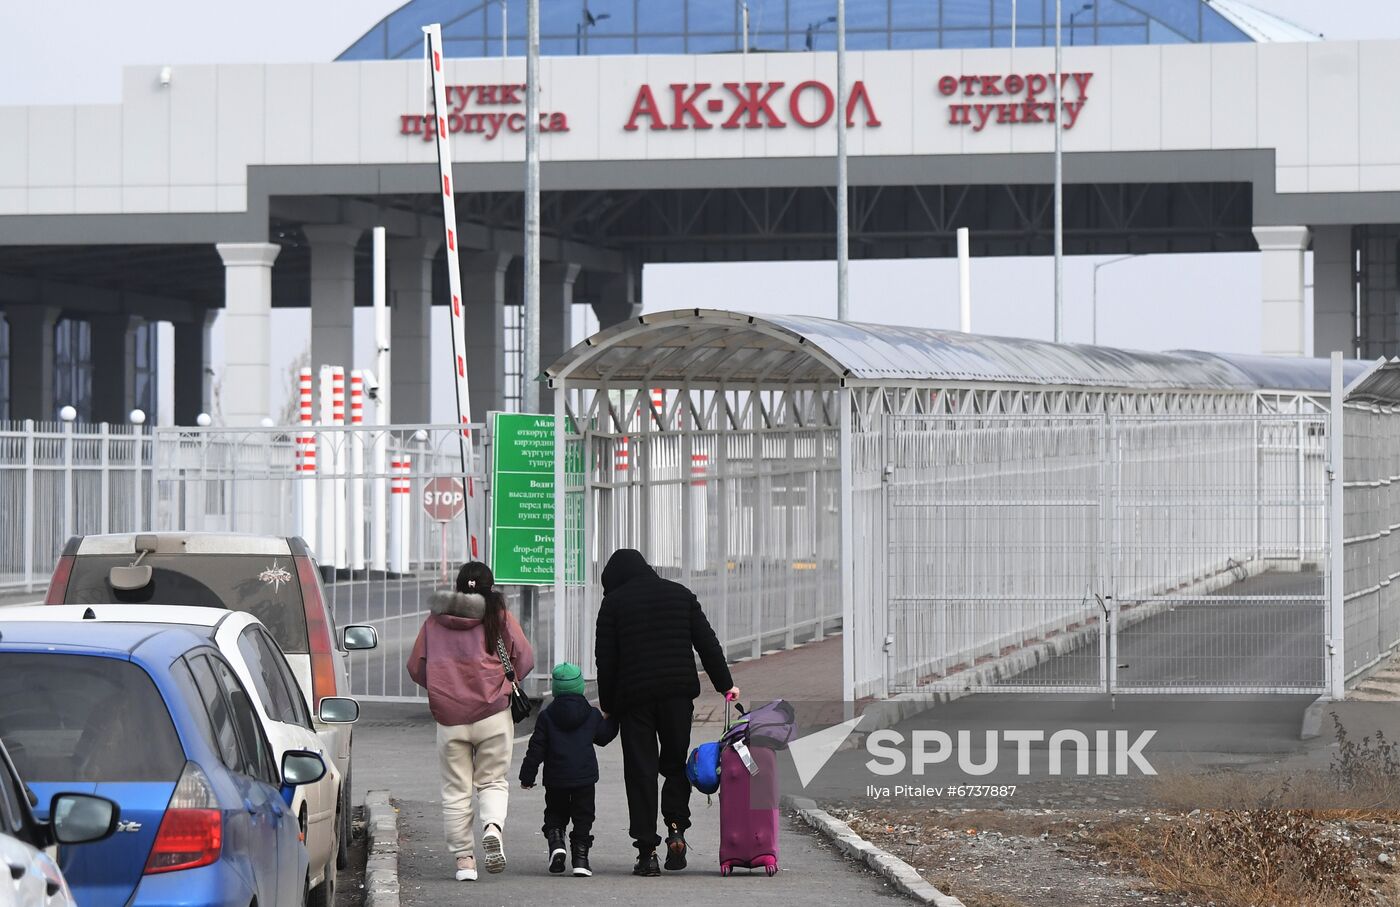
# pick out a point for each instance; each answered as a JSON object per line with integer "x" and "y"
{"x": 475, "y": 759}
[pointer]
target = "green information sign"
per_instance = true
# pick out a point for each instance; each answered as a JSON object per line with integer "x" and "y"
{"x": 522, "y": 499}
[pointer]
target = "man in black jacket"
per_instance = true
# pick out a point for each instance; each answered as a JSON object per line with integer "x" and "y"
{"x": 648, "y": 631}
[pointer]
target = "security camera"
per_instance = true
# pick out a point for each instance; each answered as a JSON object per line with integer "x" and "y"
{"x": 371, "y": 384}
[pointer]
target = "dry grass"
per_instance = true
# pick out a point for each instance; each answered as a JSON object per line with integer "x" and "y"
{"x": 1263, "y": 858}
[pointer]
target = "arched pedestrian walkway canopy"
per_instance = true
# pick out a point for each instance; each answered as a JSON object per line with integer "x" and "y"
{"x": 706, "y": 347}
{"x": 983, "y": 512}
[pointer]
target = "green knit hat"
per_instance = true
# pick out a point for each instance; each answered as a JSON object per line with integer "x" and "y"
{"x": 567, "y": 679}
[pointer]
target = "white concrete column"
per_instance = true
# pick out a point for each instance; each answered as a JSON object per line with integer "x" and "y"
{"x": 484, "y": 295}
{"x": 411, "y": 302}
{"x": 1281, "y": 292}
{"x": 332, "y": 293}
{"x": 1334, "y": 291}
{"x": 244, "y": 381}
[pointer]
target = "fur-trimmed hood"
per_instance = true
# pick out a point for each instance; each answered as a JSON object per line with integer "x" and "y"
{"x": 458, "y": 604}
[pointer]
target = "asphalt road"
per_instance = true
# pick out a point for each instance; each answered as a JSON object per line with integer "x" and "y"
{"x": 394, "y": 750}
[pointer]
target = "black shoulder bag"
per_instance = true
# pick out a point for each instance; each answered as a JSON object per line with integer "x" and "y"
{"x": 520, "y": 704}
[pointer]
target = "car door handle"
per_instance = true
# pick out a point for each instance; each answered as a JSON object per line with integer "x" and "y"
{"x": 277, "y": 810}
{"x": 17, "y": 871}
{"x": 248, "y": 805}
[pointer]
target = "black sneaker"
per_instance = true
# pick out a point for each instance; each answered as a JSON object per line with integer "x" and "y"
{"x": 647, "y": 864}
{"x": 675, "y": 849}
{"x": 580, "y": 860}
{"x": 555, "y": 837}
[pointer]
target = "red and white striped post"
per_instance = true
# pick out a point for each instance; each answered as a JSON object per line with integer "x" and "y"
{"x": 658, "y": 405}
{"x": 332, "y": 460}
{"x": 400, "y": 494}
{"x": 621, "y": 459}
{"x": 306, "y": 459}
{"x": 357, "y": 470}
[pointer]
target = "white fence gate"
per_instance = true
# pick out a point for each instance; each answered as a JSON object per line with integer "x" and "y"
{"x": 1199, "y": 541}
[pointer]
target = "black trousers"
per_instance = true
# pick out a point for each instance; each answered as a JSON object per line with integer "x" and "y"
{"x": 565, "y": 804}
{"x": 655, "y": 742}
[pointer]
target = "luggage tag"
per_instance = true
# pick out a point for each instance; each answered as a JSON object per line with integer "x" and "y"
{"x": 745, "y": 756}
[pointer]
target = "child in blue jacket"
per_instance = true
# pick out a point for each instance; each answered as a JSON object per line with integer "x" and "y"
{"x": 565, "y": 734}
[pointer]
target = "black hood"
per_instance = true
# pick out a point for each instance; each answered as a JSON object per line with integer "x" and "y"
{"x": 625, "y": 565}
{"x": 569, "y": 711}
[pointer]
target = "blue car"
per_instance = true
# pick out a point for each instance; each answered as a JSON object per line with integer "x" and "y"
{"x": 154, "y": 719}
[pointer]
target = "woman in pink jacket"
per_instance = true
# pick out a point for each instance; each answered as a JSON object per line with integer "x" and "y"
{"x": 455, "y": 658}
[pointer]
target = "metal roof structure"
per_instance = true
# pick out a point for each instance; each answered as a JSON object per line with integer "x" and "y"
{"x": 708, "y": 346}
{"x": 486, "y": 28}
{"x": 1379, "y": 384}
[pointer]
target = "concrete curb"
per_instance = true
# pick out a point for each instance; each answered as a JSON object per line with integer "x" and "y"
{"x": 382, "y": 863}
{"x": 900, "y": 874}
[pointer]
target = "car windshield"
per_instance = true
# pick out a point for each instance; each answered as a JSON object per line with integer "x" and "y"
{"x": 265, "y": 586}
{"x": 84, "y": 718}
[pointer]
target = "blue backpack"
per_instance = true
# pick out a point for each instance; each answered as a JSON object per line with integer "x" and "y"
{"x": 702, "y": 768}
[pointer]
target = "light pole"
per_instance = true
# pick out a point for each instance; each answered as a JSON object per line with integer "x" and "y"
{"x": 530, "y": 314}
{"x": 744, "y": 9}
{"x": 581, "y": 32}
{"x": 505, "y": 32}
{"x": 1074, "y": 15}
{"x": 843, "y": 218}
{"x": 814, "y": 27}
{"x": 1102, "y": 264}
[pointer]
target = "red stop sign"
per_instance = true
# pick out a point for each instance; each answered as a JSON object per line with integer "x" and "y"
{"x": 444, "y": 499}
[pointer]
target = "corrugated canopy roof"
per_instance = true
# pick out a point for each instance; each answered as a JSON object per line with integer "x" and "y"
{"x": 705, "y": 345}
{"x": 1380, "y": 383}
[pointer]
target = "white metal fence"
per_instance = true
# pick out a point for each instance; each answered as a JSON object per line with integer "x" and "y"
{"x": 1012, "y": 540}
{"x": 1372, "y": 534}
{"x": 59, "y": 479}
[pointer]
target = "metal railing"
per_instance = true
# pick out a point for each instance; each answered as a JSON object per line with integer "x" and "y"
{"x": 60, "y": 479}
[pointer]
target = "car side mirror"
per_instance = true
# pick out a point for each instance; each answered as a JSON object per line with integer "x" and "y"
{"x": 82, "y": 818}
{"x": 359, "y": 637}
{"x": 338, "y": 710}
{"x": 302, "y": 767}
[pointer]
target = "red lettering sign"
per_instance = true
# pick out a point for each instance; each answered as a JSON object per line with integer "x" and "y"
{"x": 1021, "y": 98}
{"x": 463, "y": 117}
{"x": 746, "y": 105}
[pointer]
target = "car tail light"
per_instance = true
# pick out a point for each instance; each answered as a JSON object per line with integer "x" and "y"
{"x": 58, "y": 585}
{"x": 318, "y": 633}
{"x": 192, "y": 830}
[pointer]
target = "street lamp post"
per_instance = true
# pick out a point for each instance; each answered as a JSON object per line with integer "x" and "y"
{"x": 1060, "y": 178}
{"x": 843, "y": 218}
{"x": 505, "y": 32}
{"x": 814, "y": 27}
{"x": 1102, "y": 264}
{"x": 581, "y": 31}
{"x": 1074, "y": 15}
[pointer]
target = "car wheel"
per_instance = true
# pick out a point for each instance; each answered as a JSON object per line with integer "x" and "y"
{"x": 342, "y": 853}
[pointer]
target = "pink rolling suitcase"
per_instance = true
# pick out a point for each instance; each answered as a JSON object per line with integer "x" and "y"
{"x": 748, "y": 811}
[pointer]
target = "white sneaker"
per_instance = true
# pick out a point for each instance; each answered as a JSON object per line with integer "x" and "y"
{"x": 466, "y": 869}
{"x": 491, "y": 844}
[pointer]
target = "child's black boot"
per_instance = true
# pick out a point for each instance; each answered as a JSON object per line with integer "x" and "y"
{"x": 580, "y": 847}
{"x": 555, "y": 837}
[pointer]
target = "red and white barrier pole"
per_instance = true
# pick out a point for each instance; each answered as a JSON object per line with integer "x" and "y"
{"x": 306, "y": 459}
{"x": 658, "y": 404}
{"x": 357, "y": 471}
{"x": 342, "y": 465}
{"x": 433, "y": 35}
{"x": 325, "y": 477}
{"x": 400, "y": 494}
{"x": 620, "y": 457}
{"x": 699, "y": 467}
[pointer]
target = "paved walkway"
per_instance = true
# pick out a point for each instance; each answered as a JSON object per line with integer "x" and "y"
{"x": 394, "y": 750}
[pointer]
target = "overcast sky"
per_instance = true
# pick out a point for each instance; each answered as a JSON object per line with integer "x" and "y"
{"x": 73, "y": 51}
